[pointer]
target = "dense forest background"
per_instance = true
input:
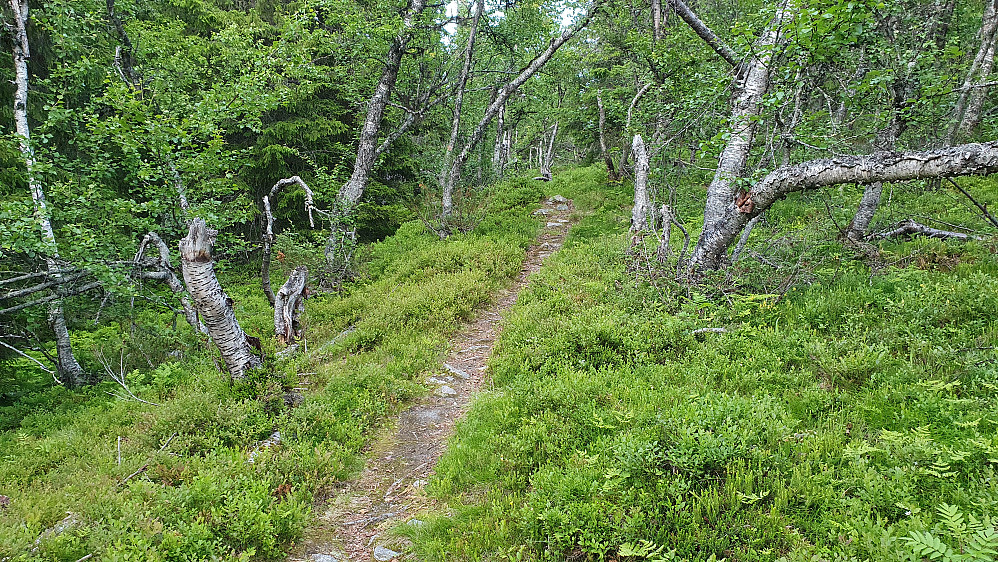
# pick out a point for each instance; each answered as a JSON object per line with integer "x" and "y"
{"x": 729, "y": 160}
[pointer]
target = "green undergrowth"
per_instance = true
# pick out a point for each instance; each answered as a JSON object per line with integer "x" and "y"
{"x": 850, "y": 417}
{"x": 86, "y": 473}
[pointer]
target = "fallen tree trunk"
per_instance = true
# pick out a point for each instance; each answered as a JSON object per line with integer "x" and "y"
{"x": 912, "y": 228}
{"x": 961, "y": 160}
{"x": 212, "y": 302}
{"x": 289, "y": 305}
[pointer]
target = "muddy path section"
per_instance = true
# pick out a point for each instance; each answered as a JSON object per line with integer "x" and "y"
{"x": 350, "y": 527}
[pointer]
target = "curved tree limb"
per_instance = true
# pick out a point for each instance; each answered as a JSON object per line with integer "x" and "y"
{"x": 705, "y": 33}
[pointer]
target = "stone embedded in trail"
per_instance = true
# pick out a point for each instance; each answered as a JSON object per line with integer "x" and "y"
{"x": 446, "y": 391}
{"x": 457, "y": 371}
{"x": 543, "y": 212}
{"x": 550, "y": 224}
{"x": 562, "y": 207}
{"x": 382, "y": 554}
{"x": 558, "y": 199}
{"x": 322, "y": 558}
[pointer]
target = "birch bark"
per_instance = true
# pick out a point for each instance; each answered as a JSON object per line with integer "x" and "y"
{"x": 722, "y": 194}
{"x": 212, "y": 302}
{"x": 68, "y": 368}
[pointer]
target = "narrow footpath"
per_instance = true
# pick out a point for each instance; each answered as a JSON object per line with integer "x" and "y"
{"x": 397, "y": 466}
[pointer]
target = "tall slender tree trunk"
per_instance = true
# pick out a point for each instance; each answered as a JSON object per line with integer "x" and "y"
{"x": 547, "y": 157}
{"x": 67, "y": 367}
{"x": 723, "y": 194}
{"x": 964, "y": 120}
{"x": 656, "y": 20}
{"x": 512, "y": 86}
{"x": 500, "y": 153}
{"x": 342, "y": 236}
{"x": 212, "y": 302}
{"x": 448, "y": 180}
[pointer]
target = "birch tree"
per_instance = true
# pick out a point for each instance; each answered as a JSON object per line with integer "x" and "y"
{"x": 507, "y": 90}
{"x": 342, "y": 236}
{"x": 67, "y": 367}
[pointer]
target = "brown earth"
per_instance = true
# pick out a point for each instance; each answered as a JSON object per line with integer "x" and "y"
{"x": 352, "y": 524}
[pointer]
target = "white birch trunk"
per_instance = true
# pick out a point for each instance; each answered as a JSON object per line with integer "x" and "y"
{"x": 547, "y": 157}
{"x": 611, "y": 171}
{"x": 67, "y": 367}
{"x": 626, "y": 145}
{"x": 268, "y": 232}
{"x": 212, "y": 302}
{"x": 343, "y": 237}
{"x": 989, "y": 26}
{"x": 162, "y": 269}
{"x": 723, "y": 193}
{"x": 642, "y": 202}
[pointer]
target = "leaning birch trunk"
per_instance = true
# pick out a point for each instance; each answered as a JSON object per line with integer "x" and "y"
{"x": 642, "y": 203}
{"x": 268, "y": 231}
{"x": 447, "y": 179}
{"x": 289, "y": 305}
{"x": 161, "y": 269}
{"x": 342, "y": 237}
{"x": 974, "y": 159}
{"x": 212, "y": 302}
{"x": 67, "y": 367}
{"x": 725, "y": 201}
{"x": 868, "y": 205}
{"x": 989, "y": 26}
{"x": 509, "y": 88}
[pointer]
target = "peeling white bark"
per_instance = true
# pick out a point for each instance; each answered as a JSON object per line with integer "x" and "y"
{"x": 212, "y": 302}
{"x": 642, "y": 202}
{"x": 964, "y": 118}
{"x": 68, "y": 368}
{"x": 351, "y": 191}
{"x": 289, "y": 305}
{"x": 725, "y": 200}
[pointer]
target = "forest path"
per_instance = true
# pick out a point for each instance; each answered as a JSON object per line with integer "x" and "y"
{"x": 398, "y": 464}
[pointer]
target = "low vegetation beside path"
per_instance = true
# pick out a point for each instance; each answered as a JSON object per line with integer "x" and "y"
{"x": 187, "y": 474}
{"x": 848, "y": 415}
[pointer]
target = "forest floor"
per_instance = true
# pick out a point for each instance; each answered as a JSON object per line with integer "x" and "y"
{"x": 352, "y": 523}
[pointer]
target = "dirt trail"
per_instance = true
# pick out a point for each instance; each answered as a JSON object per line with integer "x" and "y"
{"x": 398, "y": 464}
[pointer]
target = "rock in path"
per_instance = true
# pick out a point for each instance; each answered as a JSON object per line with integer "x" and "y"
{"x": 382, "y": 554}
